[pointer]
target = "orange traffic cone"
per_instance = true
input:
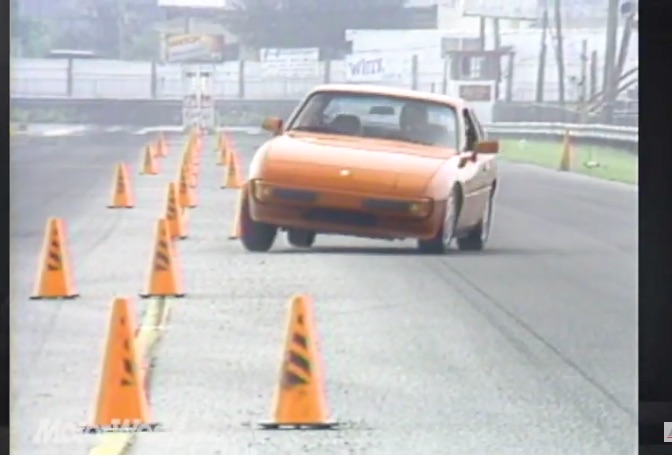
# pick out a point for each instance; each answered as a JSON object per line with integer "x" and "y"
{"x": 222, "y": 149}
{"x": 198, "y": 147}
{"x": 235, "y": 230}
{"x": 197, "y": 140}
{"x": 188, "y": 161}
{"x": 149, "y": 164}
{"x": 165, "y": 279}
{"x": 122, "y": 193}
{"x": 187, "y": 148}
{"x": 122, "y": 399}
{"x": 222, "y": 157}
{"x": 54, "y": 277}
{"x": 192, "y": 172}
{"x": 300, "y": 399}
{"x": 153, "y": 149}
{"x": 231, "y": 177}
{"x": 228, "y": 156}
{"x": 162, "y": 146}
{"x": 187, "y": 196}
{"x": 174, "y": 215}
{"x": 191, "y": 143}
{"x": 195, "y": 155}
{"x": 566, "y": 156}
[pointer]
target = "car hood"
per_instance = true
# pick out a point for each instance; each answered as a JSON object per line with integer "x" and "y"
{"x": 351, "y": 164}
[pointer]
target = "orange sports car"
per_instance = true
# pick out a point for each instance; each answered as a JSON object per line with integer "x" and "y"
{"x": 374, "y": 162}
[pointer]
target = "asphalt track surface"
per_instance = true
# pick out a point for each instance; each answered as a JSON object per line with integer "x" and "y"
{"x": 528, "y": 347}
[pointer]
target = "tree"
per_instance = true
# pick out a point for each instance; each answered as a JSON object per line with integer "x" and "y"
{"x": 310, "y": 23}
{"x": 143, "y": 46}
{"x": 29, "y": 37}
{"x": 113, "y": 28}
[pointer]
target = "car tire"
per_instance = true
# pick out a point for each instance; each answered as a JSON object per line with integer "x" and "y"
{"x": 300, "y": 238}
{"x": 477, "y": 237}
{"x": 255, "y": 236}
{"x": 440, "y": 243}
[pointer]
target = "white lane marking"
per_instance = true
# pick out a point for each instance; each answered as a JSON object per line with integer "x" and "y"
{"x": 62, "y": 131}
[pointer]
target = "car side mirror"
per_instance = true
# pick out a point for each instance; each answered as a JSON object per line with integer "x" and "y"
{"x": 464, "y": 159}
{"x": 487, "y": 146}
{"x": 273, "y": 125}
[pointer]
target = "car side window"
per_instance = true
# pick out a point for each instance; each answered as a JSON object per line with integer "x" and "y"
{"x": 471, "y": 131}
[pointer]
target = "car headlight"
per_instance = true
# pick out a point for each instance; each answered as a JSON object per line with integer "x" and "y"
{"x": 420, "y": 208}
{"x": 260, "y": 191}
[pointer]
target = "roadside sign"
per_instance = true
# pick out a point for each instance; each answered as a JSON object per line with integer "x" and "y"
{"x": 290, "y": 63}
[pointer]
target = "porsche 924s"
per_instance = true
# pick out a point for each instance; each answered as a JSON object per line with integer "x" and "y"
{"x": 374, "y": 162}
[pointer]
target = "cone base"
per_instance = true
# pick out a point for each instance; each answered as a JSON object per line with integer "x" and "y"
{"x": 298, "y": 426}
{"x": 171, "y": 296}
{"x": 120, "y": 207}
{"x": 143, "y": 427}
{"x": 58, "y": 297}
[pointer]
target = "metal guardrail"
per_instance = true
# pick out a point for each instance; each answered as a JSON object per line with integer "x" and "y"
{"x": 147, "y": 113}
{"x": 618, "y": 136}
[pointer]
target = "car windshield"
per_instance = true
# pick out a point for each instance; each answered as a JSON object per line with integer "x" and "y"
{"x": 378, "y": 116}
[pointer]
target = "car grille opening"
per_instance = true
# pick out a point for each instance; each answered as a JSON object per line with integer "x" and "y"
{"x": 295, "y": 195}
{"x": 387, "y": 205}
{"x": 336, "y": 216}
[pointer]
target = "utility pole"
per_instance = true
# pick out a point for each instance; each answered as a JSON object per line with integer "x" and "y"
{"x": 583, "y": 81}
{"x": 481, "y": 29}
{"x": 541, "y": 71}
{"x": 498, "y": 64}
{"x": 559, "y": 51}
{"x": 610, "y": 62}
{"x": 509, "y": 77}
{"x": 623, "y": 50}
{"x": 593, "y": 75}
{"x": 121, "y": 28}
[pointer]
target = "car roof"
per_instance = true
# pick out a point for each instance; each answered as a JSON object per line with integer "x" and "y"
{"x": 397, "y": 92}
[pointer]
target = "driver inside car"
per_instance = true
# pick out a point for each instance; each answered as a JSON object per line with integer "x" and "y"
{"x": 414, "y": 123}
{"x": 415, "y": 127}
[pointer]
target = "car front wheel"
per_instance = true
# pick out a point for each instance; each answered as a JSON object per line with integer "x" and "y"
{"x": 300, "y": 238}
{"x": 477, "y": 237}
{"x": 255, "y": 236}
{"x": 440, "y": 243}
